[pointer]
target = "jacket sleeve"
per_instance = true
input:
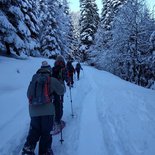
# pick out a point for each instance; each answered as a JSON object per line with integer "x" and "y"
{"x": 57, "y": 86}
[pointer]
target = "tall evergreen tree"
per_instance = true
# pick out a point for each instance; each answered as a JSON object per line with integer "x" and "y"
{"x": 18, "y": 27}
{"x": 76, "y": 34}
{"x": 56, "y": 30}
{"x": 48, "y": 34}
{"x": 30, "y": 10}
{"x": 130, "y": 49}
{"x": 88, "y": 22}
{"x": 103, "y": 36}
{"x": 133, "y": 29}
{"x": 65, "y": 29}
{"x": 110, "y": 8}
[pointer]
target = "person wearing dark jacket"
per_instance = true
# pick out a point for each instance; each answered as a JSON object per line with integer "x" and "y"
{"x": 70, "y": 73}
{"x": 59, "y": 72}
{"x": 78, "y": 68}
{"x": 42, "y": 117}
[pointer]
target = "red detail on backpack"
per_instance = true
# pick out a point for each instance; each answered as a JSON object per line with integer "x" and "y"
{"x": 46, "y": 91}
{"x": 39, "y": 91}
{"x": 30, "y": 99}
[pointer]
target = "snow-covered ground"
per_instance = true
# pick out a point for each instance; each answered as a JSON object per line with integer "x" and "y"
{"x": 112, "y": 116}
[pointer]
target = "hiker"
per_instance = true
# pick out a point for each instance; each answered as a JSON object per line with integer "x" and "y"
{"x": 70, "y": 72}
{"x": 41, "y": 110}
{"x": 78, "y": 68}
{"x": 45, "y": 65}
{"x": 59, "y": 72}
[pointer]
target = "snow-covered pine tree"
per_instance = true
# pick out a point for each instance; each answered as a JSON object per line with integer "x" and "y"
{"x": 151, "y": 81}
{"x": 110, "y": 8}
{"x": 152, "y": 41}
{"x": 105, "y": 14}
{"x": 56, "y": 32}
{"x": 103, "y": 37}
{"x": 31, "y": 20}
{"x": 89, "y": 20}
{"x": 10, "y": 17}
{"x": 76, "y": 34}
{"x": 133, "y": 29}
{"x": 130, "y": 50}
{"x": 109, "y": 11}
{"x": 16, "y": 37}
{"x": 65, "y": 29}
{"x": 49, "y": 29}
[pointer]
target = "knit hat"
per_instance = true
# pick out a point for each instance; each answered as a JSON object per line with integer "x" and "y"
{"x": 45, "y": 63}
{"x": 60, "y": 58}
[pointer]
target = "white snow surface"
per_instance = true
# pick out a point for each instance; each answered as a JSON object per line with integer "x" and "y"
{"x": 112, "y": 116}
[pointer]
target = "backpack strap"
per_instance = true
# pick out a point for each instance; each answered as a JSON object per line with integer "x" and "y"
{"x": 44, "y": 71}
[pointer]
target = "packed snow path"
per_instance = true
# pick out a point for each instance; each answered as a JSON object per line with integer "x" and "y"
{"x": 112, "y": 116}
{"x": 88, "y": 138}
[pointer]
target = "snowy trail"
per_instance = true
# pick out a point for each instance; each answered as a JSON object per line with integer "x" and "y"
{"x": 112, "y": 116}
{"x": 89, "y": 123}
{"x": 117, "y": 133}
{"x": 85, "y": 130}
{"x": 106, "y": 130}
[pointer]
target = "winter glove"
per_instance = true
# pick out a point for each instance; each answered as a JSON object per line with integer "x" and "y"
{"x": 68, "y": 84}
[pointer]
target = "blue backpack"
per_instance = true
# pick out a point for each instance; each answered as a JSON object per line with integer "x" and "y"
{"x": 39, "y": 88}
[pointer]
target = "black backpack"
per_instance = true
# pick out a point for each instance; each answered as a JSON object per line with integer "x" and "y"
{"x": 70, "y": 67}
{"x": 78, "y": 66}
{"x": 39, "y": 88}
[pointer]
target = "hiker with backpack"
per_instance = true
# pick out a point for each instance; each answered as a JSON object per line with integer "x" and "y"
{"x": 41, "y": 110}
{"x": 78, "y": 68}
{"x": 70, "y": 72}
{"x": 59, "y": 72}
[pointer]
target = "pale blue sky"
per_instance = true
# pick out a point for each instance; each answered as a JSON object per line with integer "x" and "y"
{"x": 74, "y": 4}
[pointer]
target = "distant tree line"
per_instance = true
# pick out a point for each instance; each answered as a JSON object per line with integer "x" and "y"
{"x": 124, "y": 41}
{"x": 121, "y": 40}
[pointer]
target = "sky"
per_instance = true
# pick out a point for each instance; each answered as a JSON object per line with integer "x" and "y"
{"x": 74, "y": 4}
{"x": 110, "y": 118}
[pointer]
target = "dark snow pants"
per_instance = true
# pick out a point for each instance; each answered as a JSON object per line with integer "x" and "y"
{"x": 58, "y": 103}
{"x": 40, "y": 128}
{"x": 70, "y": 79}
{"x": 78, "y": 74}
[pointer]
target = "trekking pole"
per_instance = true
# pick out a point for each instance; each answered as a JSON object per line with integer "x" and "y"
{"x": 61, "y": 137}
{"x": 67, "y": 94}
{"x": 72, "y": 114}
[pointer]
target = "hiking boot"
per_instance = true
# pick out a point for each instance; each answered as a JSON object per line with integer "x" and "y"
{"x": 56, "y": 128}
{"x": 50, "y": 152}
{"x": 28, "y": 151}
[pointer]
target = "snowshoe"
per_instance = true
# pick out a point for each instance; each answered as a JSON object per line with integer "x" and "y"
{"x": 28, "y": 151}
{"x": 58, "y": 127}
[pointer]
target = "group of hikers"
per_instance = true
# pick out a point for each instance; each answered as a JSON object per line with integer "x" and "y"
{"x": 46, "y": 96}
